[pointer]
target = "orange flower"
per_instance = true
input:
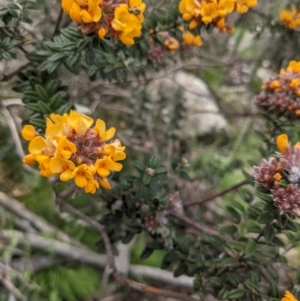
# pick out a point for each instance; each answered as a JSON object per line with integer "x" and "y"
{"x": 282, "y": 142}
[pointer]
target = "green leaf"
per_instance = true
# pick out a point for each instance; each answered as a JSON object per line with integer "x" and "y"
{"x": 45, "y": 108}
{"x": 236, "y": 216}
{"x": 153, "y": 162}
{"x": 139, "y": 166}
{"x": 252, "y": 287}
{"x": 298, "y": 275}
{"x": 184, "y": 175}
{"x": 146, "y": 179}
{"x": 146, "y": 252}
{"x": 236, "y": 294}
{"x": 273, "y": 290}
{"x": 250, "y": 247}
{"x": 64, "y": 108}
{"x": 160, "y": 170}
{"x": 268, "y": 232}
{"x": 265, "y": 218}
{"x": 170, "y": 257}
{"x": 34, "y": 107}
{"x": 290, "y": 225}
{"x": 181, "y": 269}
{"x": 223, "y": 294}
{"x": 278, "y": 242}
{"x": 156, "y": 245}
{"x": 41, "y": 93}
{"x": 39, "y": 123}
{"x": 229, "y": 230}
{"x": 264, "y": 196}
{"x": 128, "y": 237}
{"x": 252, "y": 226}
{"x": 216, "y": 281}
{"x": 56, "y": 100}
{"x": 248, "y": 177}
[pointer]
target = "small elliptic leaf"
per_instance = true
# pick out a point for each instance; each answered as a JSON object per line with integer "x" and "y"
{"x": 128, "y": 237}
{"x": 236, "y": 294}
{"x": 146, "y": 252}
{"x": 268, "y": 232}
{"x": 139, "y": 166}
{"x": 181, "y": 269}
{"x": 153, "y": 162}
{"x": 236, "y": 216}
{"x": 250, "y": 247}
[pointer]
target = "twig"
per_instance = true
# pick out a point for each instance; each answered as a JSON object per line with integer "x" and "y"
{"x": 15, "y": 137}
{"x": 82, "y": 255}
{"x": 20, "y": 210}
{"x": 223, "y": 192}
{"x": 118, "y": 277}
{"x": 8, "y": 270}
{"x": 12, "y": 289}
{"x": 10, "y": 74}
{"x": 57, "y": 247}
{"x": 189, "y": 222}
{"x": 56, "y": 30}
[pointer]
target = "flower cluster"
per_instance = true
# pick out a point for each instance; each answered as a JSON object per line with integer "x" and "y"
{"x": 74, "y": 150}
{"x": 215, "y": 12}
{"x": 281, "y": 176}
{"x": 282, "y": 94}
{"x": 290, "y": 18}
{"x": 118, "y": 19}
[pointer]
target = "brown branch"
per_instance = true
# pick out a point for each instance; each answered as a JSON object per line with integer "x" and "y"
{"x": 58, "y": 21}
{"x": 118, "y": 277}
{"x": 189, "y": 222}
{"x": 225, "y": 191}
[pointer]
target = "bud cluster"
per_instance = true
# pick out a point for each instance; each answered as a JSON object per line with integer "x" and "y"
{"x": 117, "y": 19}
{"x": 74, "y": 150}
{"x": 281, "y": 175}
{"x": 157, "y": 51}
{"x": 215, "y": 12}
{"x": 157, "y": 221}
{"x": 282, "y": 94}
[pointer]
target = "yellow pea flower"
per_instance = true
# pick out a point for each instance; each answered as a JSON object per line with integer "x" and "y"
{"x": 225, "y": 7}
{"x": 126, "y": 24}
{"x": 104, "y": 183}
{"x": 100, "y": 130}
{"x": 29, "y": 159}
{"x": 93, "y": 13}
{"x": 190, "y": 40}
{"x": 103, "y": 167}
{"x": 242, "y": 6}
{"x": 65, "y": 149}
{"x": 288, "y": 297}
{"x": 91, "y": 186}
{"x": 209, "y": 11}
{"x": 81, "y": 175}
{"x": 293, "y": 66}
{"x": 28, "y": 132}
{"x": 63, "y": 167}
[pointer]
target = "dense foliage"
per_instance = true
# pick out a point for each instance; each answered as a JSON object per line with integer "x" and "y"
{"x": 201, "y": 180}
